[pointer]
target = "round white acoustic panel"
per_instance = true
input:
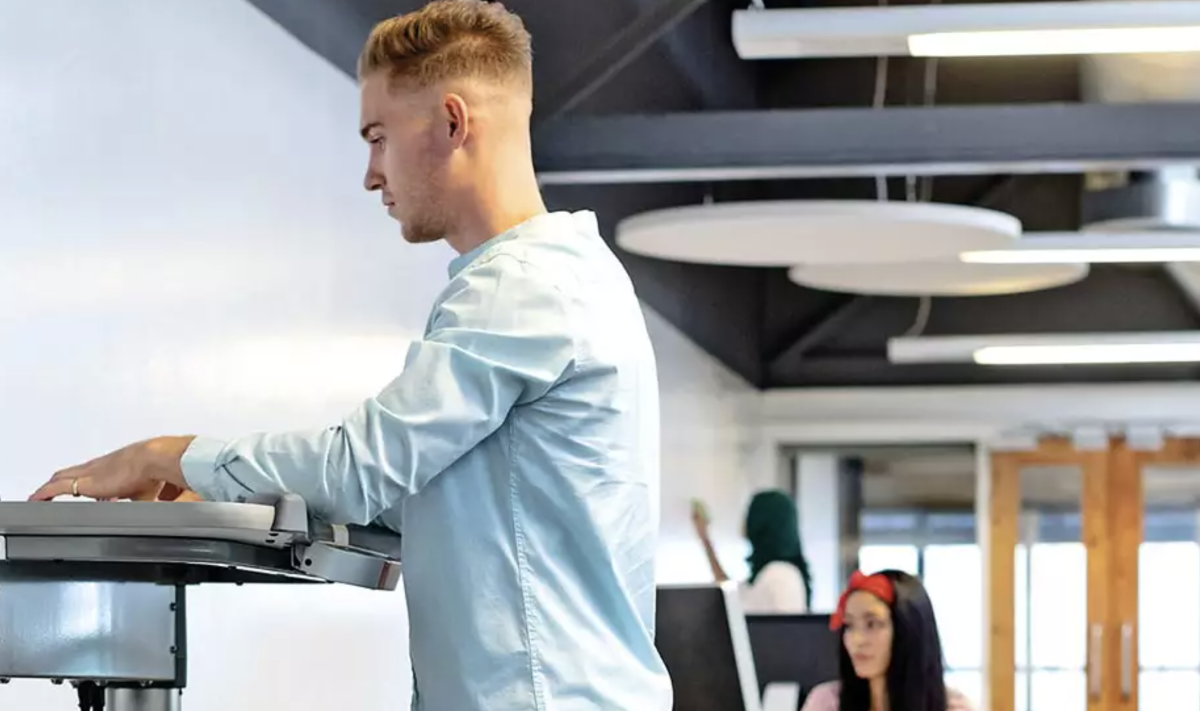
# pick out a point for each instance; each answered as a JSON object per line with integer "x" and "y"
{"x": 781, "y": 234}
{"x": 937, "y": 278}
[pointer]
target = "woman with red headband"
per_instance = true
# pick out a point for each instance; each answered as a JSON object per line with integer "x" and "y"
{"x": 891, "y": 657}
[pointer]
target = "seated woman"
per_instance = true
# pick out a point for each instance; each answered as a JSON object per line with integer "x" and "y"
{"x": 891, "y": 656}
{"x": 779, "y": 578}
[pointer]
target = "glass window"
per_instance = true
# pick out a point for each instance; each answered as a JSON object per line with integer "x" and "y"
{"x": 954, "y": 580}
{"x": 1169, "y": 606}
{"x": 872, "y": 559}
{"x": 1056, "y": 691}
{"x": 1051, "y": 629}
{"x": 1168, "y": 690}
{"x": 969, "y": 684}
{"x": 1058, "y": 606}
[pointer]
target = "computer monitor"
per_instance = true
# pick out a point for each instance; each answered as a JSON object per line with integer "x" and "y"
{"x": 702, "y": 638}
{"x": 796, "y": 650}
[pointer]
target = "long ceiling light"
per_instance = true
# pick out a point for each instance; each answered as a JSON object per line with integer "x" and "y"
{"x": 1093, "y": 248}
{"x": 1050, "y": 349}
{"x": 1010, "y": 43}
{"x": 972, "y": 30}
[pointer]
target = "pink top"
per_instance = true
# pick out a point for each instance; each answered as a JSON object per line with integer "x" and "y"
{"x": 824, "y": 697}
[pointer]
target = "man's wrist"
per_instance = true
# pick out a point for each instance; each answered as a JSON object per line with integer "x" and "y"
{"x": 162, "y": 459}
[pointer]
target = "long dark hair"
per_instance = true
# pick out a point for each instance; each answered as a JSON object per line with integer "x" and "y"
{"x": 774, "y": 534}
{"x": 916, "y": 674}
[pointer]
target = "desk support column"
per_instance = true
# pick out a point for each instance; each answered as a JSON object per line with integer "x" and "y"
{"x": 135, "y": 699}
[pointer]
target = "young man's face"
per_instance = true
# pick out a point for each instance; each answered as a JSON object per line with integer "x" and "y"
{"x": 408, "y": 160}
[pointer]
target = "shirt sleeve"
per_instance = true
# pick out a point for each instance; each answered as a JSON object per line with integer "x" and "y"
{"x": 957, "y": 701}
{"x": 823, "y": 697}
{"x": 498, "y": 339}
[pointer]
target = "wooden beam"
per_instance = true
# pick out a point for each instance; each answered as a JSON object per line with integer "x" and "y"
{"x": 1178, "y": 451}
{"x": 1127, "y": 509}
{"x": 1004, "y": 505}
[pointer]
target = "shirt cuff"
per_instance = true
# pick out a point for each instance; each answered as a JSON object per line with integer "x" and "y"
{"x": 200, "y": 468}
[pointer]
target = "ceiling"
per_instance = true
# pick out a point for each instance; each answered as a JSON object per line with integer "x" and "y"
{"x": 626, "y": 86}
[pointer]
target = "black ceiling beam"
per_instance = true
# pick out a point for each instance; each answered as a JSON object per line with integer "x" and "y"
{"x": 331, "y": 28}
{"x": 701, "y": 49}
{"x": 797, "y": 345}
{"x": 657, "y": 19}
{"x": 997, "y": 187}
{"x": 819, "y": 143}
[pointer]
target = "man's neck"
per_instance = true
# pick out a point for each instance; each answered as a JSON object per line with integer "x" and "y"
{"x": 495, "y": 211}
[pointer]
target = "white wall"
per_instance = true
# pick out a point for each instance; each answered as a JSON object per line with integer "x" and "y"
{"x": 185, "y": 247}
{"x": 709, "y": 445}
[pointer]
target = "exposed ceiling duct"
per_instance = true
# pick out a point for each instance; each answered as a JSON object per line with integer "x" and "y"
{"x": 1166, "y": 201}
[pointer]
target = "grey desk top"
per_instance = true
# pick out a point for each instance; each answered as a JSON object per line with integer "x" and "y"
{"x": 187, "y": 543}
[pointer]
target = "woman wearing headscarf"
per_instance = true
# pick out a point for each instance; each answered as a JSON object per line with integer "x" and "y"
{"x": 779, "y": 582}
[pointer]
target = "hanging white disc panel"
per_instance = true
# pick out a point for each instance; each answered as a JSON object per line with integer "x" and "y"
{"x": 937, "y": 278}
{"x": 777, "y": 234}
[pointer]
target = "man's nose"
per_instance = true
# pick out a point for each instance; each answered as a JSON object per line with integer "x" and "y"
{"x": 372, "y": 181}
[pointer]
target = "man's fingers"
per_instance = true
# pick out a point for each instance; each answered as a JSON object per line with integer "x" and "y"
{"x": 62, "y": 484}
{"x": 51, "y": 489}
{"x": 113, "y": 476}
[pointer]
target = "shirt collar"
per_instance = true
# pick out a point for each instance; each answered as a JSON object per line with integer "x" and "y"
{"x": 584, "y": 221}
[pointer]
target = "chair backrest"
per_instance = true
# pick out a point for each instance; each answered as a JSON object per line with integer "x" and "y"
{"x": 796, "y": 650}
{"x": 702, "y": 637}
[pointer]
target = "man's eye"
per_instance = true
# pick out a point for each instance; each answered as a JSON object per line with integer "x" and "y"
{"x": 375, "y": 140}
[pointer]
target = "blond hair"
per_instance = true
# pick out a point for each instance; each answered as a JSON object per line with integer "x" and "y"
{"x": 451, "y": 39}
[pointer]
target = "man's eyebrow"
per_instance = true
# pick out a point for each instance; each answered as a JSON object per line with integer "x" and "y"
{"x": 367, "y": 128}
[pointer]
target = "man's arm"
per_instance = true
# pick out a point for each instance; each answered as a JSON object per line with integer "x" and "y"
{"x": 500, "y": 339}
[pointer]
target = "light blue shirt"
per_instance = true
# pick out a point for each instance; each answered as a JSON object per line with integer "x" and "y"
{"x": 518, "y": 455}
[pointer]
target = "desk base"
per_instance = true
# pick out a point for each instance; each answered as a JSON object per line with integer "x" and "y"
{"x": 93, "y": 593}
{"x": 93, "y": 631}
{"x": 143, "y": 699}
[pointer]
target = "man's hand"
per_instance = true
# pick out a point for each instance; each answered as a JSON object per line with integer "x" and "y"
{"x": 161, "y": 491}
{"x": 126, "y": 473}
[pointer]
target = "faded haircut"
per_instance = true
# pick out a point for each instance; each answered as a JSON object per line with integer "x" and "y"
{"x": 448, "y": 40}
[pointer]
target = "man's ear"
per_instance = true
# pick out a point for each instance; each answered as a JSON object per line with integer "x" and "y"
{"x": 458, "y": 119}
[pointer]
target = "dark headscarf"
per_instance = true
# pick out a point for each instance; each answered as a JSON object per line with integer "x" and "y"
{"x": 774, "y": 534}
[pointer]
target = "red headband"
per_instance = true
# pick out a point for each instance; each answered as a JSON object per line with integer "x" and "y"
{"x": 878, "y": 585}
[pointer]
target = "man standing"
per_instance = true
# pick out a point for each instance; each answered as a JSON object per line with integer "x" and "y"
{"x": 517, "y": 452}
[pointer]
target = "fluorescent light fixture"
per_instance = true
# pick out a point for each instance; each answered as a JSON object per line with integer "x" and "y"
{"x": 970, "y": 30}
{"x": 1050, "y": 349}
{"x": 1084, "y": 256}
{"x": 1089, "y": 353}
{"x": 1123, "y": 40}
{"x": 1093, "y": 248}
